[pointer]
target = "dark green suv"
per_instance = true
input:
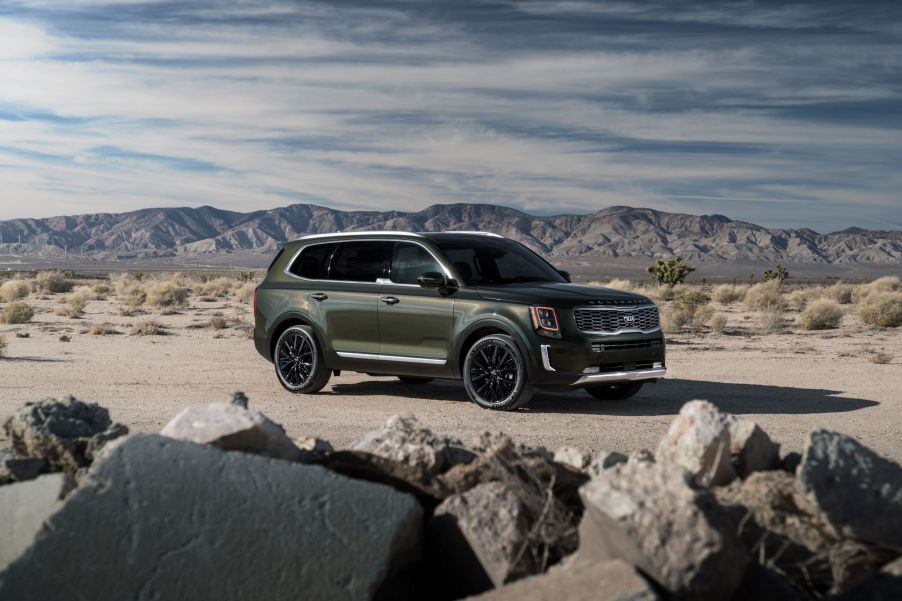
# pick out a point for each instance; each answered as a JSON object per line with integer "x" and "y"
{"x": 454, "y": 305}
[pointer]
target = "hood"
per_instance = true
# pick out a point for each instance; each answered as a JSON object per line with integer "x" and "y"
{"x": 559, "y": 295}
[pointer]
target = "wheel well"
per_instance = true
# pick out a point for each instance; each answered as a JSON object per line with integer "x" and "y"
{"x": 277, "y": 331}
{"x": 471, "y": 340}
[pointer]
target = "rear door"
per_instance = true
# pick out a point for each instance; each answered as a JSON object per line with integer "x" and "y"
{"x": 414, "y": 323}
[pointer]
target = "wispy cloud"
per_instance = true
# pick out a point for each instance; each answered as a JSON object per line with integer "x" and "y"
{"x": 780, "y": 113}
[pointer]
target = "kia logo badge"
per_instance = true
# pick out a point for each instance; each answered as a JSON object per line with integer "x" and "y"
{"x": 629, "y": 318}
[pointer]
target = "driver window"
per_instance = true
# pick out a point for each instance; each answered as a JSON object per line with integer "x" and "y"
{"x": 409, "y": 261}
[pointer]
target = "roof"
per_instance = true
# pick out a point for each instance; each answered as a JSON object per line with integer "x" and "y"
{"x": 395, "y": 233}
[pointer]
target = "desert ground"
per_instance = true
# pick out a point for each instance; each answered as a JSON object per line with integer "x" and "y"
{"x": 788, "y": 379}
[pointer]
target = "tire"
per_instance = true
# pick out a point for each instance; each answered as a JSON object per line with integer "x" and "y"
{"x": 495, "y": 374}
{"x": 414, "y": 380}
{"x": 299, "y": 361}
{"x": 616, "y": 391}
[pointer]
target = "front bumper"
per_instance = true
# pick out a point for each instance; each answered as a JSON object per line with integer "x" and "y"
{"x": 621, "y": 376}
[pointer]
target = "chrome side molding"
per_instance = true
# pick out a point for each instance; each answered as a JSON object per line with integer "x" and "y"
{"x": 398, "y": 358}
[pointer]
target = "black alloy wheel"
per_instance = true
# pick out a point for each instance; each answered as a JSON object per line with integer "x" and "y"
{"x": 495, "y": 374}
{"x": 298, "y": 361}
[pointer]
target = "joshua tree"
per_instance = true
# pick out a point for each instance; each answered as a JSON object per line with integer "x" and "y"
{"x": 670, "y": 272}
{"x": 775, "y": 274}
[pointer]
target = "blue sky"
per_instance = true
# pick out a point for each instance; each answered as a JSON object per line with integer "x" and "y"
{"x": 780, "y": 113}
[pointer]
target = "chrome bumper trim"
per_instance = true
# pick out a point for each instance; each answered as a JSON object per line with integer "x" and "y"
{"x": 546, "y": 362}
{"x": 621, "y": 376}
{"x": 398, "y": 358}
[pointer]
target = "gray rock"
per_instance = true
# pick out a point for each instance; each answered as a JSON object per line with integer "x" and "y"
{"x": 232, "y": 427}
{"x": 656, "y": 518}
{"x": 857, "y": 492}
{"x": 699, "y": 441}
{"x": 19, "y": 469}
{"x": 573, "y": 457}
{"x": 240, "y": 399}
{"x": 66, "y": 433}
{"x": 578, "y": 581}
{"x": 23, "y": 509}
{"x": 404, "y": 440}
{"x": 791, "y": 462}
{"x": 642, "y": 455}
{"x": 313, "y": 444}
{"x": 159, "y": 518}
{"x": 605, "y": 460}
{"x": 751, "y": 448}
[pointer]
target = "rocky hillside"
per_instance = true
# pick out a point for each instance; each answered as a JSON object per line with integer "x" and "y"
{"x": 614, "y": 232}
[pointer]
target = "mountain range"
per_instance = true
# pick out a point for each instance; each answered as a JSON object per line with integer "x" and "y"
{"x": 610, "y": 233}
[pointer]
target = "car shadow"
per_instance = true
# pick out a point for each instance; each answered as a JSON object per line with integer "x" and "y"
{"x": 664, "y": 398}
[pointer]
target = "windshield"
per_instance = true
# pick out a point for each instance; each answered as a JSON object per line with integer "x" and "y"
{"x": 492, "y": 262}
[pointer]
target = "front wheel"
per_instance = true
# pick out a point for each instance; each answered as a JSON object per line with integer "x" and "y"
{"x": 616, "y": 391}
{"x": 299, "y": 362}
{"x": 495, "y": 374}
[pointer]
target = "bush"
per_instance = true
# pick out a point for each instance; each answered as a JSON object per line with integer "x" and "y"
{"x": 147, "y": 328}
{"x": 245, "y": 293}
{"x": 76, "y": 302}
{"x": 685, "y": 316}
{"x": 802, "y": 296}
{"x": 691, "y": 298}
{"x": 52, "y": 282}
{"x": 2, "y": 346}
{"x": 166, "y": 295}
{"x": 13, "y": 290}
{"x": 888, "y": 283}
{"x": 17, "y": 312}
{"x": 839, "y": 292}
{"x": 102, "y": 329}
{"x": 718, "y": 323}
{"x": 727, "y": 294}
{"x": 670, "y": 272}
{"x": 881, "y": 358}
{"x": 216, "y": 288}
{"x": 771, "y": 321}
{"x": 882, "y": 309}
{"x": 774, "y": 274}
{"x": 822, "y": 314}
{"x": 218, "y": 322}
{"x": 101, "y": 290}
{"x": 766, "y": 296}
{"x": 617, "y": 284}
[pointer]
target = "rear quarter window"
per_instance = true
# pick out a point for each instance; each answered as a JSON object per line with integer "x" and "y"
{"x": 313, "y": 261}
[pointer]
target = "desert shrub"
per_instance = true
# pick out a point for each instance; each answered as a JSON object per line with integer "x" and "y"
{"x": 882, "y": 309}
{"x": 101, "y": 290}
{"x": 670, "y": 272}
{"x": 691, "y": 297}
{"x": 17, "y": 312}
{"x": 23, "y": 335}
{"x": 881, "y": 358}
{"x": 802, "y": 296}
{"x": 147, "y": 328}
{"x": 727, "y": 294}
{"x": 666, "y": 293}
{"x": 771, "y": 320}
{"x": 685, "y": 316}
{"x": 766, "y": 296}
{"x": 618, "y": 284}
{"x": 166, "y": 295}
{"x": 840, "y": 292}
{"x": 245, "y": 293}
{"x": 216, "y": 288}
{"x": 65, "y": 338}
{"x": 718, "y": 323}
{"x": 218, "y": 322}
{"x": 2, "y": 346}
{"x": 75, "y": 303}
{"x": 52, "y": 282}
{"x": 102, "y": 329}
{"x": 13, "y": 290}
{"x": 774, "y": 274}
{"x": 246, "y": 276}
{"x": 888, "y": 283}
{"x": 821, "y": 314}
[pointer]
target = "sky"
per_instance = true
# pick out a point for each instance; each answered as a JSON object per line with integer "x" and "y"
{"x": 780, "y": 113}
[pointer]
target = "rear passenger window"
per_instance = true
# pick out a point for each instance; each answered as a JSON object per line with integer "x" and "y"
{"x": 364, "y": 261}
{"x": 313, "y": 262}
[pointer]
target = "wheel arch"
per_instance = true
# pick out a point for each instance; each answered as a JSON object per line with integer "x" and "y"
{"x": 283, "y": 323}
{"x": 480, "y": 329}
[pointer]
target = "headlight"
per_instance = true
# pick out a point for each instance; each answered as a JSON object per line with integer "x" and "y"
{"x": 544, "y": 320}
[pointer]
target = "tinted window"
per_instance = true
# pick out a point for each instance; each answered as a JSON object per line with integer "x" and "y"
{"x": 409, "y": 261}
{"x": 492, "y": 262}
{"x": 313, "y": 262}
{"x": 361, "y": 261}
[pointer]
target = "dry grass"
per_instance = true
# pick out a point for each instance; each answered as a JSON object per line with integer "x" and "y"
{"x": 52, "y": 282}
{"x": 217, "y": 288}
{"x": 840, "y": 292}
{"x": 718, "y": 323}
{"x": 14, "y": 290}
{"x": 17, "y": 312}
{"x": 218, "y": 322}
{"x": 727, "y": 294}
{"x": 821, "y": 314}
{"x": 245, "y": 292}
{"x": 765, "y": 297}
{"x": 888, "y": 283}
{"x": 771, "y": 321}
{"x": 618, "y": 284}
{"x": 75, "y": 303}
{"x": 101, "y": 290}
{"x": 166, "y": 295}
{"x": 882, "y": 309}
{"x": 102, "y": 329}
{"x": 148, "y": 327}
{"x": 881, "y": 358}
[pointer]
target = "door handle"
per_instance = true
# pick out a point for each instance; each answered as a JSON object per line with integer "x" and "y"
{"x": 319, "y": 297}
{"x": 390, "y": 300}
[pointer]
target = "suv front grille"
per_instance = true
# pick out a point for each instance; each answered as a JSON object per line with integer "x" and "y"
{"x": 625, "y": 345}
{"x": 611, "y": 321}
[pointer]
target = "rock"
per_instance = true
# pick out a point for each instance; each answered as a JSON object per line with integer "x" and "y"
{"x": 240, "y": 399}
{"x": 403, "y": 439}
{"x": 489, "y": 440}
{"x": 605, "y": 460}
{"x": 657, "y": 519}
{"x": 578, "y": 581}
{"x": 232, "y": 427}
{"x": 751, "y": 448}
{"x": 858, "y": 492}
{"x": 157, "y": 517}
{"x": 791, "y": 462}
{"x": 642, "y": 455}
{"x": 18, "y": 469}
{"x": 699, "y": 441}
{"x": 23, "y": 509}
{"x": 573, "y": 457}
{"x": 886, "y": 585}
{"x": 314, "y": 445}
{"x": 66, "y": 433}
{"x": 782, "y": 531}
{"x": 761, "y": 583}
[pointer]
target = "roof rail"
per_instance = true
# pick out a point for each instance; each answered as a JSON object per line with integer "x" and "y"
{"x": 362, "y": 233}
{"x": 492, "y": 234}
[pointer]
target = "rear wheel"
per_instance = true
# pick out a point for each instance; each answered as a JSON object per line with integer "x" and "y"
{"x": 299, "y": 362}
{"x": 495, "y": 374}
{"x": 615, "y": 391}
{"x": 414, "y": 380}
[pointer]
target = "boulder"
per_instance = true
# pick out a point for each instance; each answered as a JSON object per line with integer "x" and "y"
{"x": 605, "y": 460}
{"x": 232, "y": 427}
{"x": 857, "y": 492}
{"x": 699, "y": 441}
{"x": 790, "y": 462}
{"x": 659, "y": 520}
{"x": 66, "y": 433}
{"x": 158, "y": 518}
{"x": 578, "y": 581}
{"x": 885, "y": 585}
{"x": 573, "y": 457}
{"x": 404, "y": 440}
{"x": 19, "y": 469}
{"x": 751, "y": 448}
{"x": 23, "y": 509}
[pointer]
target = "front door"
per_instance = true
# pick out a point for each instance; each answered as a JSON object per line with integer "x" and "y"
{"x": 414, "y": 323}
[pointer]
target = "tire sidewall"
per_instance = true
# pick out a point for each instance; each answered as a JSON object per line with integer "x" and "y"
{"x": 317, "y": 358}
{"x": 522, "y": 375}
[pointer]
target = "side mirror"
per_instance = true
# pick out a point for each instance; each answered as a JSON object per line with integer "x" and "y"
{"x": 431, "y": 279}
{"x": 566, "y": 275}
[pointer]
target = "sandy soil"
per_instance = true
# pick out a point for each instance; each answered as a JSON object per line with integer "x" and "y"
{"x": 788, "y": 383}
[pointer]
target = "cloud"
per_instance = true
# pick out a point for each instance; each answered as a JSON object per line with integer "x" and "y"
{"x": 781, "y": 113}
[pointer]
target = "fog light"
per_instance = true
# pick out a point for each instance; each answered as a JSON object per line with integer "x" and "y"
{"x": 657, "y": 365}
{"x": 592, "y": 370}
